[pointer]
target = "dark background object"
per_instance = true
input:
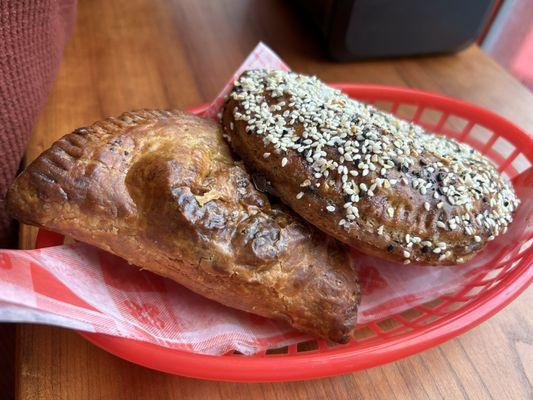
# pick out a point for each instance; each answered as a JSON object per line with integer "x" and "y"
{"x": 361, "y": 29}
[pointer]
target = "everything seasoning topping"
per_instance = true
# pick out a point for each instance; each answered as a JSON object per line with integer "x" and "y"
{"x": 362, "y": 151}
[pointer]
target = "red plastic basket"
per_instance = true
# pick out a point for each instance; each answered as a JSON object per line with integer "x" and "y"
{"x": 399, "y": 335}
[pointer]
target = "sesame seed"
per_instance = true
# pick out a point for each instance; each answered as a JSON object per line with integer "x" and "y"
{"x": 477, "y": 239}
{"x": 300, "y": 195}
{"x": 406, "y": 254}
{"x": 330, "y": 208}
{"x": 437, "y": 250}
{"x": 380, "y": 230}
{"x": 275, "y": 105}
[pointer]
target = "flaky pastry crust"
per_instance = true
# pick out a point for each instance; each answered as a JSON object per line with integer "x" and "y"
{"x": 161, "y": 189}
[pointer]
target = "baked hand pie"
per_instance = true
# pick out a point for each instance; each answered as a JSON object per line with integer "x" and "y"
{"x": 161, "y": 190}
{"x": 375, "y": 182}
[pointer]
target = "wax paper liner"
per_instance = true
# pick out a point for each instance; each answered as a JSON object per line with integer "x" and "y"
{"x": 81, "y": 287}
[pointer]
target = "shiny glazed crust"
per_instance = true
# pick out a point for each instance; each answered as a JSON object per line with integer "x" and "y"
{"x": 161, "y": 189}
{"x": 377, "y": 183}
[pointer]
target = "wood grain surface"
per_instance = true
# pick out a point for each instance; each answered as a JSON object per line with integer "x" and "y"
{"x": 128, "y": 54}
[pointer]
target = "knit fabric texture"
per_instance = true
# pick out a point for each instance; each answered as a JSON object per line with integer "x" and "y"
{"x": 33, "y": 34}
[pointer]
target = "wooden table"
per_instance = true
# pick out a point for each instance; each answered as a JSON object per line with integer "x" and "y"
{"x": 139, "y": 53}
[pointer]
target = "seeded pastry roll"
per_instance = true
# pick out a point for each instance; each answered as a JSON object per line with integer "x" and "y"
{"x": 162, "y": 190}
{"x": 375, "y": 182}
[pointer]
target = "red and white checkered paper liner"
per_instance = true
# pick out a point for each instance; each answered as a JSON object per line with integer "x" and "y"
{"x": 81, "y": 287}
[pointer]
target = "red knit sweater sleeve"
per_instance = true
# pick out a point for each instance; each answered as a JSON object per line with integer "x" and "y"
{"x": 32, "y": 37}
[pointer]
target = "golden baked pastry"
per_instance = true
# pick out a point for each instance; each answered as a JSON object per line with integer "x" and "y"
{"x": 161, "y": 189}
{"x": 371, "y": 180}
